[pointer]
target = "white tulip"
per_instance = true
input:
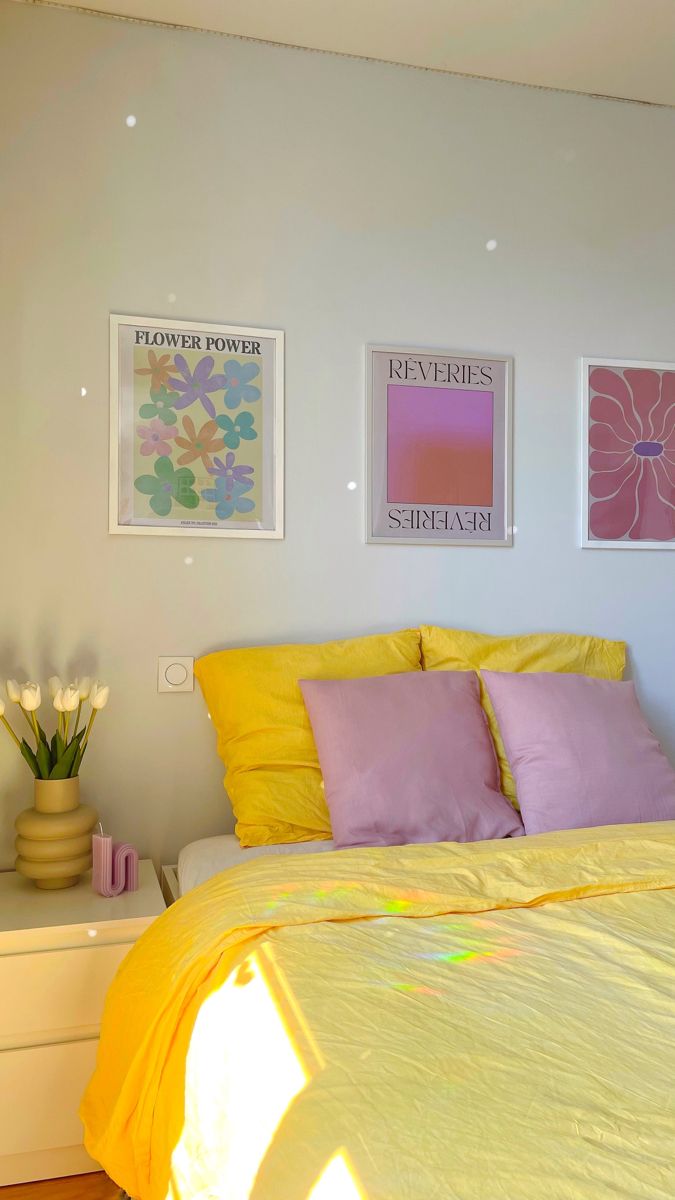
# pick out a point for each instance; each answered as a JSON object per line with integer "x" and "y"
{"x": 2, "y": 708}
{"x": 84, "y": 686}
{"x": 31, "y": 697}
{"x": 54, "y": 684}
{"x": 99, "y": 695}
{"x": 58, "y": 701}
{"x": 70, "y": 697}
{"x": 14, "y": 691}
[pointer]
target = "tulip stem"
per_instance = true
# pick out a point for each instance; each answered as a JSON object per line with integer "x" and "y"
{"x": 9, "y": 729}
{"x": 36, "y": 728}
{"x": 77, "y": 718}
{"x": 66, "y": 722}
{"x": 30, "y": 723}
{"x": 86, "y": 736}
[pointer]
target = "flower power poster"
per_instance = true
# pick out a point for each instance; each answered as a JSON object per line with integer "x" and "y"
{"x": 197, "y": 428}
{"x": 439, "y": 438}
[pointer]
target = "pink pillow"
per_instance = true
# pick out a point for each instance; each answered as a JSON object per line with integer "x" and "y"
{"x": 581, "y": 751}
{"x": 407, "y": 758}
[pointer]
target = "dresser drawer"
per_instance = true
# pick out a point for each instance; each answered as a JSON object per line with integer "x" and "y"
{"x": 56, "y": 994}
{"x": 40, "y": 1093}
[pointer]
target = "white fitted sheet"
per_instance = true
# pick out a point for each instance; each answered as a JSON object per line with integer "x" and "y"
{"x": 201, "y": 860}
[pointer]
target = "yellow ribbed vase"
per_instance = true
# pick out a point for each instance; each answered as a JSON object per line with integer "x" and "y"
{"x": 53, "y": 841}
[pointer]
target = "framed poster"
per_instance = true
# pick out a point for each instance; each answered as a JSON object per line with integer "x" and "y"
{"x": 196, "y": 429}
{"x": 439, "y": 448}
{"x": 628, "y": 454}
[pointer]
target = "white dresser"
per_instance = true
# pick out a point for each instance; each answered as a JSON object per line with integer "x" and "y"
{"x": 59, "y": 952}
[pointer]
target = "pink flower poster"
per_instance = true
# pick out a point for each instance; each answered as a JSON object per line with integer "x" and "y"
{"x": 628, "y": 454}
{"x": 196, "y": 429}
{"x": 439, "y": 434}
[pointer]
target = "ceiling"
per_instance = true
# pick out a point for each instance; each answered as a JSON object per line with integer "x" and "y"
{"x": 619, "y": 48}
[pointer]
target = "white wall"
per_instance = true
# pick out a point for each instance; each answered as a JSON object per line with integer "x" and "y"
{"x": 345, "y": 202}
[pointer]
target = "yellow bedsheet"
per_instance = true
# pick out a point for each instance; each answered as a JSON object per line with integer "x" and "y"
{"x": 407, "y": 1023}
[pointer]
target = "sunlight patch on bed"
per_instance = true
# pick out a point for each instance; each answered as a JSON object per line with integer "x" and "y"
{"x": 242, "y": 1073}
{"x": 337, "y": 1181}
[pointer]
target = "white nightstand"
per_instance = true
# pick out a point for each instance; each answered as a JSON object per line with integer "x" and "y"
{"x": 58, "y": 954}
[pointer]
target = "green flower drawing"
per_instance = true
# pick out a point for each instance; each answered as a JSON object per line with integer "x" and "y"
{"x": 167, "y": 485}
{"x": 239, "y": 429}
{"x": 160, "y": 405}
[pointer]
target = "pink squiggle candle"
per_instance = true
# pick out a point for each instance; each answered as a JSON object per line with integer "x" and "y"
{"x": 115, "y": 866}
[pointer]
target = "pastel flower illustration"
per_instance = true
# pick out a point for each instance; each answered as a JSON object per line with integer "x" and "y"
{"x": 155, "y": 437}
{"x": 199, "y": 445}
{"x": 229, "y": 472}
{"x": 237, "y": 383}
{"x": 197, "y": 384}
{"x": 167, "y": 485}
{"x": 632, "y": 454}
{"x": 159, "y": 370}
{"x": 160, "y": 405}
{"x": 229, "y": 497}
{"x": 239, "y": 429}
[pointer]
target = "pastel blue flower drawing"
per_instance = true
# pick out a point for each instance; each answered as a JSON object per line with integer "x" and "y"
{"x": 238, "y": 387}
{"x": 229, "y": 497}
{"x": 239, "y": 429}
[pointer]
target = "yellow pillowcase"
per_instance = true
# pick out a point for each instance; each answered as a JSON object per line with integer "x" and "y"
{"x": 264, "y": 734}
{"x": 460, "y": 650}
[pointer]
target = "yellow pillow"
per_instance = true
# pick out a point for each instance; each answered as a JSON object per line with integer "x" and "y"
{"x": 460, "y": 650}
{"x": 264, "y": 735}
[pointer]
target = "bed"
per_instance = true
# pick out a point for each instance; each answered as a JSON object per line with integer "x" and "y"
{"x": 207, "y": 857}
{"x": 482, "y": 1021}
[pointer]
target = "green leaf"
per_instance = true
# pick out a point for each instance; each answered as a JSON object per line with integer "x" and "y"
{"x": 43, "y": 759}
{"x": 164, "y": 468}
{"x": 30, "y": 758}
{"x": 184, "y": 476}
{"x": 161, "y": 503}
{"x": 147, "y": 484}
{"x": 64, "y": 765}
{"x": 53, "y": 749}
{"x": 75, "y": 769}
{"x": 188, "y": 498}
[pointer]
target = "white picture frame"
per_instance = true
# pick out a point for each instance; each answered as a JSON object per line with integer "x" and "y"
{"x": 639, "y": 425}
{"x": 256, "y": 489}
{"x": 376, "y": 467}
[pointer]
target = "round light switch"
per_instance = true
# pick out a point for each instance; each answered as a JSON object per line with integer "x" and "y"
{"x": 176, "y": 674}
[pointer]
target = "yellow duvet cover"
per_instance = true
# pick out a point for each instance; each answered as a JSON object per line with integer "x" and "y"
{"x": 493, "y": 1021}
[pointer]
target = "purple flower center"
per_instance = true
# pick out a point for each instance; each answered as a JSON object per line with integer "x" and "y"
{"x": 166, "y": 487}
{"x": 648, "y": 449}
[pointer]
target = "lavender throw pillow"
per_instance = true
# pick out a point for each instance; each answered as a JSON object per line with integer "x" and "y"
{"x": 407, "y": 758}
{"x": 581, "y": 751}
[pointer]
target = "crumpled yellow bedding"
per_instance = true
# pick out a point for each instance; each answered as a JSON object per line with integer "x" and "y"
{"x": 487, "y": 1021}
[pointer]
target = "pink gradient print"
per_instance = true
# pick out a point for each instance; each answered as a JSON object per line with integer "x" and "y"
{"x": 631, "y": 461}
{"x": 439, "y": 446}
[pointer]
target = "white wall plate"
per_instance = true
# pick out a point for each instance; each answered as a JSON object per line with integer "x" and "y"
{"x": 175, "y": 673}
